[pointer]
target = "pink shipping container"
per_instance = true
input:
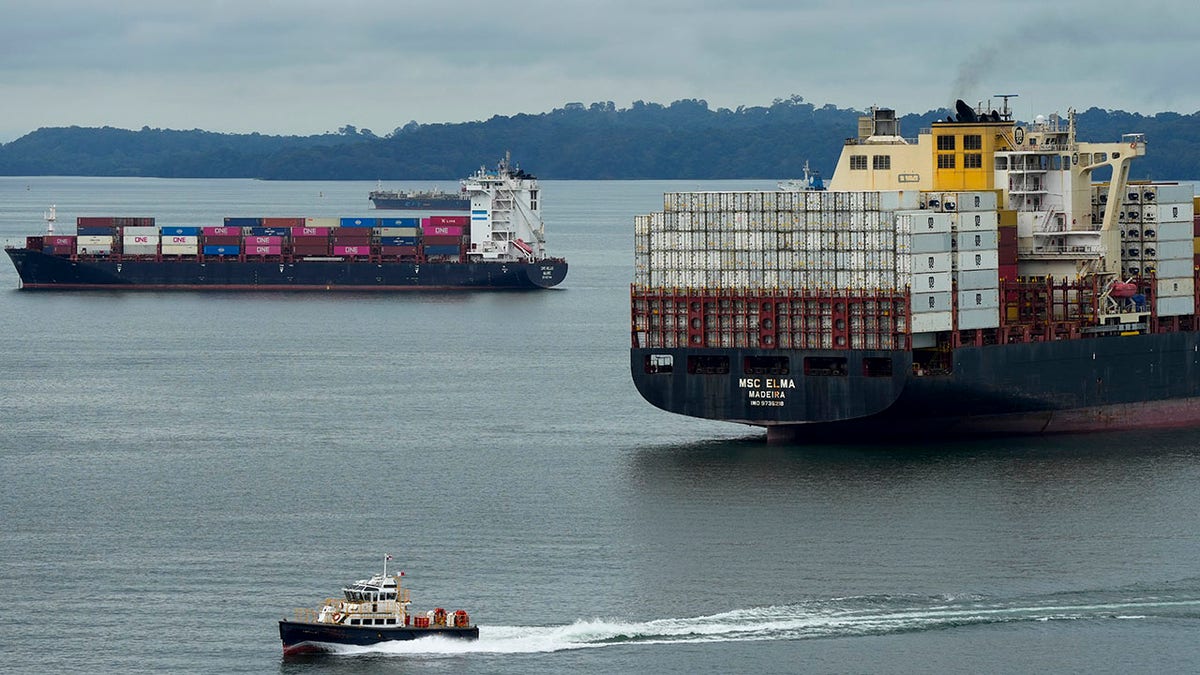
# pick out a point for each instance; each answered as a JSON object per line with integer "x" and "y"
{"x": 443, "y": 230}
{"x": 222, "y": 231}
{"x": 61, "y": 242}
{"x": 461, "y": 221}
{"x": 264, "y": 241}
{"x": 298, "y": 232}
{"x": 352, "y": 250}
{"x": 252, "y": 249}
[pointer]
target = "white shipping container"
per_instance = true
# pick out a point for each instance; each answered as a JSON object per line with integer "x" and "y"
{"x": 979, "y": 298}
{"x": 976, "y": 279}
{"x": 1171, "y": 269}
{"x": 1163, "y": 193}
{"x": 139, "y": 240}
{"x": 977, "y": 260}
{"x": 92, "y": 241}
{"x": 978, "y": 240}
{"x": 931, "y": 243}
{"x": 895, "y": 200}
{"x": 976, "y": 201}
{"x": 982, "y": 220}
{"x": 923, "y": 303}
{"x": 1180, "y": 231}
{"x": 937, "y": 282}
{"x": 930, "y": 322}
{"x": 184, "y": 249}
{"x": 925, "y": 263}
{"x": 140, "y": 249}
{"x": 1176, "y": 287}
{"x": 94, "y": 249}
{"x": 1179, "y": 306}
{"x": 978, "y": 318}
{"x": 139, "y": 230}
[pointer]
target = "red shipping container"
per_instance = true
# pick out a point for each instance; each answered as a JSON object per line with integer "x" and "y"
{"x": 322, "y": 249}
{"x": 449, "y": 220}
{"x": 1196, "y": 226}
{"x": 352, "y": 239}
{"x": 352, "y": 250}
{"x": 263, "y": 250}
{"x": 283, "y": 222}
{"x": 64, "y": 242}
{"x": 222, "y": 232}
{"x": 222, "y": 241}
{"x": 442, "y": 241}
{"x": 1008, "y": 272}
{"x": 298, "y": 232}
{"x": 398, "y": 250}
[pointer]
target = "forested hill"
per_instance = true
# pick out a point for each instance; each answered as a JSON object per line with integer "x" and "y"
{"x": 685, "y": 139}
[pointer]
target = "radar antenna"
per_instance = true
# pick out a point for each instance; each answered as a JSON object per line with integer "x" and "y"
{"x": 1005, "y": 111}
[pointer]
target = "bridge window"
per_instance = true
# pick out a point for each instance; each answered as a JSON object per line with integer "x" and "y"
{"x": 945, "y": 161}
{"x": 945, "y": 142}
{"x": 858, "y": 162}
{"x": 708, "y": 365}
{"x": 972, "y": 160}
{"x": 972, "y": 142}
{"x": 659, "y": 364}
{"x": 881, "y": 162}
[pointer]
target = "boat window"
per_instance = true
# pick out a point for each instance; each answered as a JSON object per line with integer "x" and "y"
{"x": 708, "y": 365}
{"x": 972, "y": 160}
{"x": 858, "y": 162}
{"x": 766, "y": 365}
{"x": 881, "y": 162}
{"x": 825, "y": 366}
{"x": 877, "y": 366}
{"x": 945, "y": 142}
{"x": 972, "y": 142}
{"x": 659, "y": 364}
{"x": 945, "y": 161}
{"x": 1001, "y": 163}
{"x": 355, "y": 622}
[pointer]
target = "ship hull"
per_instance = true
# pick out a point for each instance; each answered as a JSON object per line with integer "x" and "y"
{"x": 38, "y": 270}
{"x": 417, "y": 204}
{"x": 1068, "y": 386}
{"x": 308, "y": 638}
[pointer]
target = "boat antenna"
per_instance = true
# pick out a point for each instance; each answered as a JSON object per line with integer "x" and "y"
{"x": 386, "y": 558}
{"x": 1005, "y": 111}
{"x": 50, "y": 217}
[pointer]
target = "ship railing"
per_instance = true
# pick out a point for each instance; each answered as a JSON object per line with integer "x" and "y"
{"x": 304, "y": 615}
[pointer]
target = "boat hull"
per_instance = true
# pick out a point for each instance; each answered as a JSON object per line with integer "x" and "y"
{"x": 1083, "y": 385}
{"x": 38, "y": 270}
{"x": 418, "y": 204}
{"x": 307, "y": 638}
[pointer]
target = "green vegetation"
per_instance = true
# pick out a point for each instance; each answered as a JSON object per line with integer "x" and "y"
{"x": 685, "y": 139}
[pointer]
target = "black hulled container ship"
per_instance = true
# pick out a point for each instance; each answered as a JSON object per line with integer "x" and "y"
{"x": 499, "y": 245}
{"x": 973, "y": 280}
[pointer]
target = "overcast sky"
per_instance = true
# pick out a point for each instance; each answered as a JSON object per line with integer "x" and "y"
{"x": 307, "y": 66}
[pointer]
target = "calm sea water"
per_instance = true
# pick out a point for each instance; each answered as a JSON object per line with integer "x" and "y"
{"x": 179, "y": 471}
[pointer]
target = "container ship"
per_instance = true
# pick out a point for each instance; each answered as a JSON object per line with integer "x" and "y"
{"x": 419, "y": 200}
{"x": 499, "y": 245}
{"x": 988, "y": 276}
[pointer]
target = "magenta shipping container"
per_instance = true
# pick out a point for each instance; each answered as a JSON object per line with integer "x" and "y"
{"x": 449, "y": 220}
{"x": 310, "y": 231}
{"x": 352, "y": 250}
{"x": 222, "y": 231}
{"x": 264, "y": 241}
{"x": 65, "y": 242}
{"x": 444, "y": 230}
{"x": 258, "y": 249}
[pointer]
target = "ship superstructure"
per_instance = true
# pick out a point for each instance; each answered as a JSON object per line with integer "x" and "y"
{"x": 974, "y": 278}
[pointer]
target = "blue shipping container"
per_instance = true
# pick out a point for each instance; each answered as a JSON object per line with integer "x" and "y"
{"x": 221, "y": 250}
{"x": 180, "y": 231}
{"x": 443, "y": 250}
{"x": 270, "y": 231}
{"x": 94, "y": 231}
{"x": 399, "y": 222}
{"x": 397, "y": 241}
{"x": 359, "y": 222}
{"x": 243, "y": 222}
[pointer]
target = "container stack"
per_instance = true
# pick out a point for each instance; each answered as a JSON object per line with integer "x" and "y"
{"x": 930, "y": 256}
{"x": 180, "y": 241}
{"x": 1157, "y": 240}
{"x": 977, "y": 259}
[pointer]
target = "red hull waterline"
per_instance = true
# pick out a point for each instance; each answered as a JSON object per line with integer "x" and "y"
{"x": 1143, "y": 415}
{"x": 256, "y": 287}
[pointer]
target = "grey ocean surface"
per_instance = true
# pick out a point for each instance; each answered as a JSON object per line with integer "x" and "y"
{"x": 181, "y": 470}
